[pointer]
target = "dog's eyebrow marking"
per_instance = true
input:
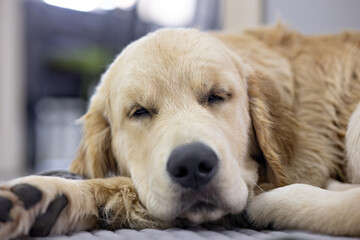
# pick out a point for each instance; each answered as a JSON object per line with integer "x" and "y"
{"x": 141, "y": 98}
{"x": 217, "y": 89}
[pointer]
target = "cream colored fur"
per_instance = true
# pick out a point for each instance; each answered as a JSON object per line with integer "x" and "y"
{"x": 353, "y": 147}
{"x": 287, "y": 133}
{"x": 116, "y": 196}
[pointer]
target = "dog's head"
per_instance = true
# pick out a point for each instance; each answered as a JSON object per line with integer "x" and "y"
{"x": 173, "y": 113}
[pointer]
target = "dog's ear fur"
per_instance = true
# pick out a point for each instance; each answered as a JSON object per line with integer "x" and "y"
{"x": 274, "y": 126}
{"x": 95, "y": 158}
{"x": 273, "y": 122}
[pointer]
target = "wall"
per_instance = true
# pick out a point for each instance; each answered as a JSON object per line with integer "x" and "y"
{"x": 240, "y": 14}
{"x": 11, "y": 90}
{"x": 314, "y": 16}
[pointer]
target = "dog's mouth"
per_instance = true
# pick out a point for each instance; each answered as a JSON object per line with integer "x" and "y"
{"x": 202, "y": 211}
{"x": 202, "y": 206}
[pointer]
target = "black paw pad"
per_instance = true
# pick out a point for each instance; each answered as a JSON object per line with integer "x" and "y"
{"x": 44, "y": 223}
{"x": 5, "y": 207}
{"x": 27, "y": 194}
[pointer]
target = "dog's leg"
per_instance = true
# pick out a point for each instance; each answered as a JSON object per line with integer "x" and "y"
{"x": 305, "y": 207}
{"x": 353, "y": 147}
{"x": 43, "y": 205}
{"x": 335, "y": 185}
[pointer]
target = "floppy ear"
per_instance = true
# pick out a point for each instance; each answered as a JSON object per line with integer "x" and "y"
{"x": 95, "y": 158}
{"x": 272, "y": 120}
{"x": 274, "y": 126}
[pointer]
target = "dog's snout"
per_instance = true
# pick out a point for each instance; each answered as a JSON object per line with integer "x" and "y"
{"x": 192, "y": 165}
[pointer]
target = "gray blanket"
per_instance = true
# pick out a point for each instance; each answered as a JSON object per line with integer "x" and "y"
{"x": 195, "y": 234}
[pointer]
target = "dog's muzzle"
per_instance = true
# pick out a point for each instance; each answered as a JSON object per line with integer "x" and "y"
{"x": 192, "y": 165}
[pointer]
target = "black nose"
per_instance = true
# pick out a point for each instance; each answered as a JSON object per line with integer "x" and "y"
{"x": 192, "y": 165}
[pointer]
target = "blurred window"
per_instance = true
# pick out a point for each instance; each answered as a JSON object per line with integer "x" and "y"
{"x": 69, "y": 44}
{"x": 92, "y": 5}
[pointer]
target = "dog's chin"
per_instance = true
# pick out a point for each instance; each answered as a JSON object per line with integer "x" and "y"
{"x": 202, "y": 212}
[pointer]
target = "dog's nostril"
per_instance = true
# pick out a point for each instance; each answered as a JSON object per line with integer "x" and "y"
{"x": 205, "y": 167}
{"x": 181, "y": 172}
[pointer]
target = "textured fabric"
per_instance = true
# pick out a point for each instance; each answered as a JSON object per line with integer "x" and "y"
{"x": 195, "y": 234}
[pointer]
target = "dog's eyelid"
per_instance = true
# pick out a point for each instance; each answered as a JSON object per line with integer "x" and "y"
{"x": 215, "y": 95}
{"x": 220, "y": 94}
{"x": 214, "y": 98}
{"x": 220, "y": 89}
{"x": 137, "y": 111}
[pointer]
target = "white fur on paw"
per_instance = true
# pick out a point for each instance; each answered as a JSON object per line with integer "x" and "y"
{"x": 285, "y": 207}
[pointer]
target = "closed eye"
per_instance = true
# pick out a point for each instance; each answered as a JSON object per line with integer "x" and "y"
{"x": 141, "y": 112}
{"x": 213, "y": 98}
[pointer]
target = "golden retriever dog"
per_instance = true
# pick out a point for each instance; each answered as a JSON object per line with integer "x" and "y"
{"x": 187, "y": 126}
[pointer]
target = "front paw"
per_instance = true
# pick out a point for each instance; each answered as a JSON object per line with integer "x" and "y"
{"x": 25, "y": 210}
{"x": 41, "y": 205}
{"x": 288, "y": 207}
{"x": 280, "y": 207}
{"x": 262, "y": 211}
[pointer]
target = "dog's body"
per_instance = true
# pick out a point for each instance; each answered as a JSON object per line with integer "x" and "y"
{"x": 203, "y": 123}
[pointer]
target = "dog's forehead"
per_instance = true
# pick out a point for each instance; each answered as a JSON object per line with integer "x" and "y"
{"x": 172, "y": 56}
{"x": 167, "y": 43}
